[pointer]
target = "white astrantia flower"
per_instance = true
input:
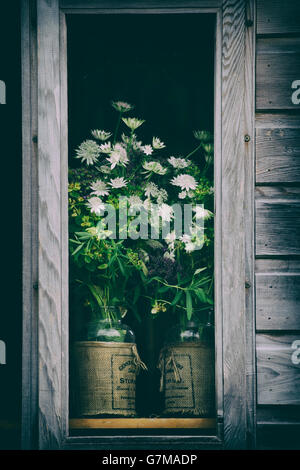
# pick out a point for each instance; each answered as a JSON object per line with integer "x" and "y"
{"x": 99, "y": 188}
{"x": 118, "y": 183}
{"x": 151, "y": 189}
{"x": 106, "y": 147}
{"x": 157, "y": 144}
{"x": 185, "y": 182}
{"x": 154, "y": 167}
{"x": 166, "y": 212}
{"x": 88, "y": 151}
{"x": 121, "y": 106}
{"x": 178, "y": 163}
{"x": 161, "y": 196}
{"x": 95, "y": 205}
{"x": 169, "y": 255}
{"x": 133, "y": 123}
{"x": 171, "y": 237}
{"x": 101, "y": 135}
{"x": 182, "y": 195}
{"x": 147, "y": 204}
{"x": 185, "y": 238}
{"x": 135, "y": 201}
{"x": 118, "y": 156}
{"x": 202, "y": 213}
{"x": 147, "y": 149}
{"x": 204, "y": 136}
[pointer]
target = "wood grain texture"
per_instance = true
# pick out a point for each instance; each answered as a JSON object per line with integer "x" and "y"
{"x": 277, "y": 227}
{"x": 49, "y": 225}
{"x": 64, "y": 227}
{"x": 249, "y": 205}
{"x": 30, "y": 226}
{"x": 278, "y": 17}
{"x": 278, "y": 155}
{"x": 284, "y": 193}
{"x": 277, "y": 120}
{"x": 277, "y": 266}
{"x": 277, "y": 66}
{"x": 144, "y": 423}
{"x": 233, "y": 243}
{"x": 278, "y": 302}
{"x": 278, "y": 379}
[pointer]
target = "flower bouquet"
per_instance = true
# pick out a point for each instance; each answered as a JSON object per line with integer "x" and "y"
{"x": 130, "y": 239}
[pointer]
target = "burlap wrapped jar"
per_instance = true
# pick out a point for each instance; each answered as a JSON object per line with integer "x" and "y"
{"x": 187, "y": 378}
{"x": 105, "y": 378}
{"x": 105, "y": 367}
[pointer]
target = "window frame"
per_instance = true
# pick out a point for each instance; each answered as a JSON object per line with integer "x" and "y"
{"x": 45, "y": 414}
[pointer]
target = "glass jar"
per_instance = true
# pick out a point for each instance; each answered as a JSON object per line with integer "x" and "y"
{"x": 195, "y": 330}
{"x": 187, "y": 368}
{"x": 108, "y": 328}
{"x": 106, "y": 366}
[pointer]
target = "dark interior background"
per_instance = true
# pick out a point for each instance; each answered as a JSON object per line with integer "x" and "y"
{"x": 11, "y": 226}
{"x": 164, "y": 65}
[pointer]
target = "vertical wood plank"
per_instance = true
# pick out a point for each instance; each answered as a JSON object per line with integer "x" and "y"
{"x": 64, "y": 225}
{"x": 30, "y": 225}
{"x": 233, "y": 243}
{"x": 249, "y": 129}
{"x": 50, "y": 249}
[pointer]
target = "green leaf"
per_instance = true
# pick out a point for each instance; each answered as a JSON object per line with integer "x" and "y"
{"x": 177, "y": 297}
{"x": 103, "y": 266}
{"x": 189, "y": 305}
{"x": 78, "y": 249}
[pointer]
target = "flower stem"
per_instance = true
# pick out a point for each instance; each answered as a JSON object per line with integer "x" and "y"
{"x": 194, "y": 151}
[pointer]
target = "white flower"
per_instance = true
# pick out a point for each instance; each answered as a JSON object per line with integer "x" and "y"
{"x": 151, "y": 190}
{"x": 105, "y": 148}
{"x": 185, "y": 238}
{"x": 147, "y": 149}
{"x": 178, "y": 162}
{"x": 95, "y": 205}
{"x": 204, "y": 136}
{"x": 133, "y": 123}
{"x": 154, "y": 167}
{"x": 171, "y": 237}
{"x": 135, "y": 201}
{"x": 121, "y": 106}
{"x": 189, "y": 247}
{"x": 147, "y": 204}
{"x": 157, "y": 143}
{"x": 182, "y": 195}
{"x": 202, "y": 213}
{"x": 166, "y": 212}
{"x": 118, "y": 183}
{"x": 101, "y": 135}
{"x": 118, "y": 156}
{"x": 185, "y": 182}
{"x": 88, "y": 151}
{"x": 169, "y": 255}
{"x": 161, "y": 195}
{"x": 99, "y": 188}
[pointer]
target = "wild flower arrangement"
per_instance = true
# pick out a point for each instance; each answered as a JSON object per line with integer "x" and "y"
{"x": 129, "y": 269}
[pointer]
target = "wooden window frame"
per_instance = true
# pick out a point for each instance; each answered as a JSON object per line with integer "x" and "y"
{"x": 45, "y": 414}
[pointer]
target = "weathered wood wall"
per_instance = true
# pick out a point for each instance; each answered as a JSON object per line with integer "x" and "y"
{"x": 277, "y": 202}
